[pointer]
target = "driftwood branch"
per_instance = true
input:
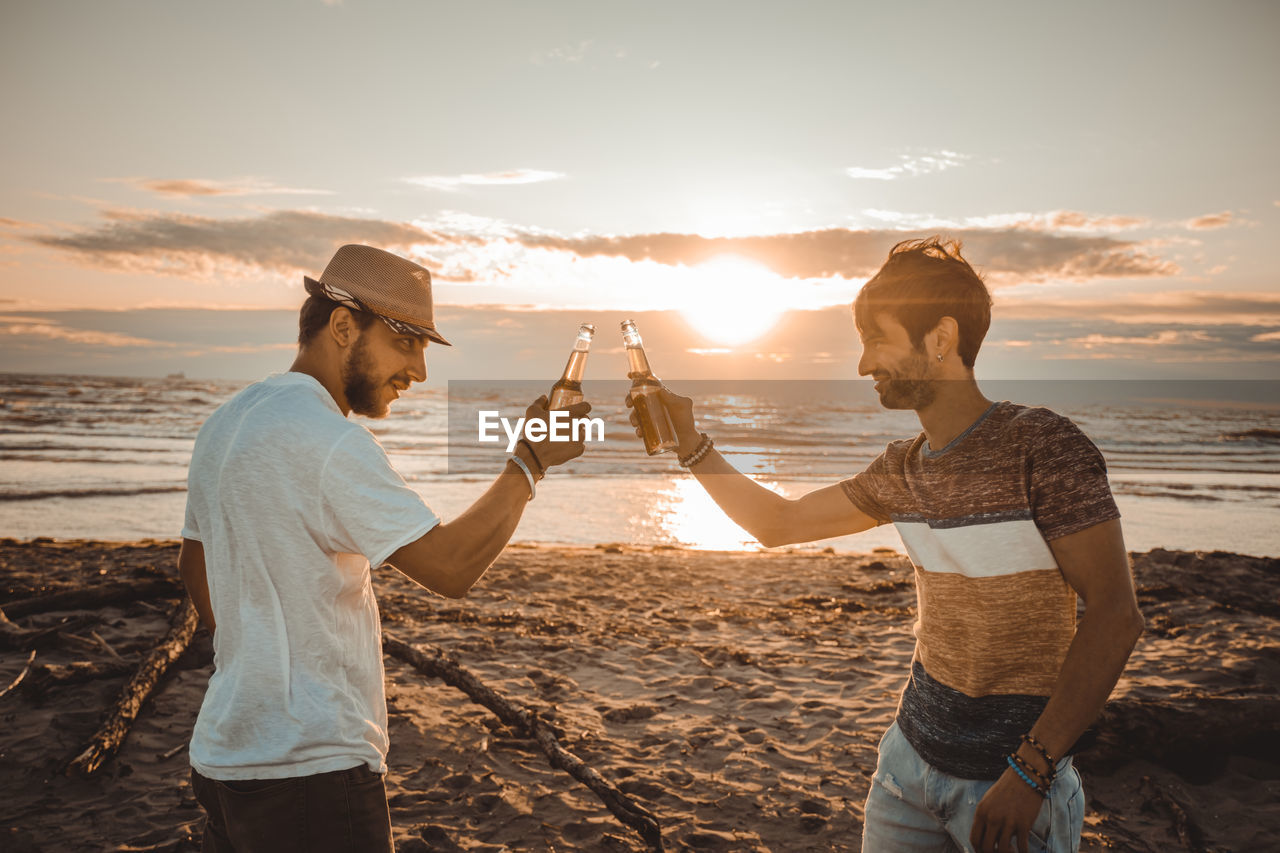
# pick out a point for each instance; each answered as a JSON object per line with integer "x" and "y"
{"x": 106, "y": 741}
{"x": 14, "y": 636}
{"x": 45, "y": 676}
{"x": 21, "y": 675}
{"x": 439, "y": 664}
{"x": 94, "y": 597}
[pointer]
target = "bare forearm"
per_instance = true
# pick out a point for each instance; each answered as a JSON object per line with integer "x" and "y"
{"x": 486, "y": 527}
{"x": 754, "y": 508}
{"x": 1103, "y": 642}
{"x": 453, "y": 556}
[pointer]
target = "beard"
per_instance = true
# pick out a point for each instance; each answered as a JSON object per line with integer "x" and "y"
{"x": 908, "y": 389}
{"x": 359, "y": 385}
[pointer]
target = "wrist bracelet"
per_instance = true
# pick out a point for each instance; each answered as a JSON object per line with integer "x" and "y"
{"x": 1031, "y": 741}
{"x": 1025, "y": 778}
{"x": 533, "y": 490}
{"x": 542, "y": 469}
{"x": 699, "y": 453}
{"x": 1045, "y": 779}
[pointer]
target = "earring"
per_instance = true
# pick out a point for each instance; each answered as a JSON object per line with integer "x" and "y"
{"x": 939, "y": 356}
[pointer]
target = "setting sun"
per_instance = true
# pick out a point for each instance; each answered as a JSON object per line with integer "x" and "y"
{"x": 733, "y": 300}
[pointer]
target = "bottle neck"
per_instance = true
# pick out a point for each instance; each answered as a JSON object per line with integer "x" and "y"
{"x": 638, "y": 364}
{"x": 577, "y": 366}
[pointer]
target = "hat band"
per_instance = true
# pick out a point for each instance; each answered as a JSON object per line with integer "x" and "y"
{"x": 345, "y": 299}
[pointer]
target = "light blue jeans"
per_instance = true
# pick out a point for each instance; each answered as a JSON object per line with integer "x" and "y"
{"x": 914, "y": 808}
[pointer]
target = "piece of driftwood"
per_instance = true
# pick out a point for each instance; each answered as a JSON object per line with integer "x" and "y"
{"x": 45, "y": 676}
{"x": 95, "y": 597}
{"x": 106, "y": 741}
{"x": 14, "y": 636}
{"x": 437, "y": 663}
{"x": 21, "y": 675}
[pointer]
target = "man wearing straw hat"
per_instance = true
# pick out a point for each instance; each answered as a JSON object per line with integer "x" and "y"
{"x": 1007, "y": 514}
{"x": 289, "y": 506}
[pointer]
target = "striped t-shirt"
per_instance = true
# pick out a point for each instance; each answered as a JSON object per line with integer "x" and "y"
{"x": 995, "y": 614}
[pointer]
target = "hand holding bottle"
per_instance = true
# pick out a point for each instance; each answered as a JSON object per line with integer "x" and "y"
{"x": 546, "y": 453}
{"x": 680, "y": 410}
{"x": 645, "y": 398}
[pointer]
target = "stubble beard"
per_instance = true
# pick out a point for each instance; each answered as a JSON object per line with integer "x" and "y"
{"x": 910, "y": 390}
{"x": 359, "y": 385}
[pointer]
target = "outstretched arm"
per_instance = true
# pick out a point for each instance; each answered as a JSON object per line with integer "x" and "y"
{"x": 1095, "y": 564}
{"x": 768, "y": 516}
{"x": 451, "y": 557}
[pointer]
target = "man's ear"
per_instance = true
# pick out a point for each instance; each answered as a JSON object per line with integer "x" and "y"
{"x": 945, "y": 337}
{"x": 342, "y": 326}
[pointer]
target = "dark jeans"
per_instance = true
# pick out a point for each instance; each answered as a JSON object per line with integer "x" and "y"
{"x": 344, "y": 811}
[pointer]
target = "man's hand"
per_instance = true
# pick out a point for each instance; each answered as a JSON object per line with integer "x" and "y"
{"x": 1005, "y": 816}
{"x": 551, "y": 453}
{"x": 681, "y": 411}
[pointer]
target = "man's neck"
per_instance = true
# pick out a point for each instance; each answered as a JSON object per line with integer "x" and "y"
{"x": 958, "y": 405}
{"x": 321, "y": 370}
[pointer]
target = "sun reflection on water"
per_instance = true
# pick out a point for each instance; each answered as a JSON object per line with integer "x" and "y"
{"x": 687, "y": 514}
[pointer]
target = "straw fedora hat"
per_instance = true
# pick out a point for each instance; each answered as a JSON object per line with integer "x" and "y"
{"x": 367, "y": 279}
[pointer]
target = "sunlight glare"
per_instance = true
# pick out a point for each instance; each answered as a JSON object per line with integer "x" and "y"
{"x": 688, "y": 515}
{"x": 732, "y": 300}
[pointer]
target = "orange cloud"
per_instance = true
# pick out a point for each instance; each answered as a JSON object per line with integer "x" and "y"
{"x": 189, "y": 187}
{"x": 1211, "y": 221}
{"x": 54, "y": 331}
{"x": 851, "y": 253}
{"x": 283, "y": 242}
{"x": 1204, "y": 308}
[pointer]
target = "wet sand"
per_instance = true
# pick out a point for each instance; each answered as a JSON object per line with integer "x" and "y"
{"x": 739, "y": 697}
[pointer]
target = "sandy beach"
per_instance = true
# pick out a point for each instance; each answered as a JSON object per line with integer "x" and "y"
{"x": 737, "y": 696}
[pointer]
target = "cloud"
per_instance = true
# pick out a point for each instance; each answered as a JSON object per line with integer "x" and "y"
{"x": 1060, "y": 220}
{"x": 569, "y": 54}
{"x": 56, "y": 331}
{"x": 849, "y": 253}
{"x": 1202, "y": 308}
{"x": 495, "y": 260}
{"x": 1165, "y": 337}
{"x": 910, "y": 167}
{"x": 1266, "y": 338}
{"x": 450, "y": 183}
{"x": 283, "y": 242}
{"x": 1210, "y": 221}
{"x": 196, "y": 187}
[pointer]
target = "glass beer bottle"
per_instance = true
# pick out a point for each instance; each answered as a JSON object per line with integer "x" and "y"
{"x": 568, "y": 390}
{"x": 655, "y": 424}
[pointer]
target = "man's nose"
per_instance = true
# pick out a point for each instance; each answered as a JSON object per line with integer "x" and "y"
{"x": 864, "y": 365}
{"x": 418, "y": 370}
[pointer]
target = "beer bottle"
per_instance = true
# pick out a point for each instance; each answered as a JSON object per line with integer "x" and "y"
{"x": 655, "y": 424}
{"x": 568, "y": 390}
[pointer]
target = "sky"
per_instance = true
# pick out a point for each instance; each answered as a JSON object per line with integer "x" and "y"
{"x": 728, "y": 173}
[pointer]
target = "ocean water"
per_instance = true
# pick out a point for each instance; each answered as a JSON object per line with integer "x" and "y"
{"x": 1194, "y": 465}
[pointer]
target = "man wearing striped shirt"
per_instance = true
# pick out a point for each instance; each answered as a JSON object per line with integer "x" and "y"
{"x": 1007, "y": 515}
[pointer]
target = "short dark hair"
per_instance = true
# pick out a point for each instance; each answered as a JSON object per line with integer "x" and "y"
{"x": 314, "y": 316}
{"x": 923, "y": 281}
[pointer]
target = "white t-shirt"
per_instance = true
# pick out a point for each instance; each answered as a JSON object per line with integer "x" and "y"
{"x": 292, "y": 503}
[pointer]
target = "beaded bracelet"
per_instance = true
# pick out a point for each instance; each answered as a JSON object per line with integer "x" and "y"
{"x": 1045, "y": 780}
{"x": 1025, "y": 778}
{"x": 699, "y": 453}
{"x": 1049, "y": 760}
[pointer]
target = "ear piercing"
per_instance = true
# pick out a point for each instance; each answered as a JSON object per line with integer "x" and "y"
{"x": 939, "y": 356}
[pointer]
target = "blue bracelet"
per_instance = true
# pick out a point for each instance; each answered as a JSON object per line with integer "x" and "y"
{"x": 1025, "y": 778}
